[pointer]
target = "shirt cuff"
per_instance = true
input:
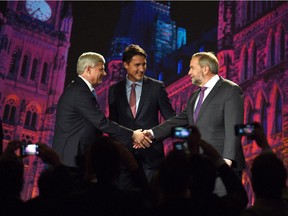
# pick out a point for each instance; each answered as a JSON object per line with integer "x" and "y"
{"x": 152, "y": 133}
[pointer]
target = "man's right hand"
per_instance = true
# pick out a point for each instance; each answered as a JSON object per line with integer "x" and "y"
{"x": 140, "y": 139}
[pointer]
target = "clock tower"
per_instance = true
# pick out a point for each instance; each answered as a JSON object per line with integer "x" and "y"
{"x": 34, "y": 44}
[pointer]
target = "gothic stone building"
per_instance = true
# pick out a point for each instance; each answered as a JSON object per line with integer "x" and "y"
{"x": 34, "y": 43}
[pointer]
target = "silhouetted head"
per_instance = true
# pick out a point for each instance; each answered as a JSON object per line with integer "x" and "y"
{"x": 104, "y": 159}
{"x": 11, "y": 176}
{"x": 174, "y": 173}
{"x": 268, "y": 176}
{"x": 203, "y": 176}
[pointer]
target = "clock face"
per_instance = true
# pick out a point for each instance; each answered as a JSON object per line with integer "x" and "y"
{"x": 39, "y": 9}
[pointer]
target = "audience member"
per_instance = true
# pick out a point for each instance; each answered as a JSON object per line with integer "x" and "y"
{"x": 102, "y": 196}
{"x": 55, "y": 185}
{"x": 186, "y": 182}
{"x": 11, "y": 181}
{"x": 268, "y": 176}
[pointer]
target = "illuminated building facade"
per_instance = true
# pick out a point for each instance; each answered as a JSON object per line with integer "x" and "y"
{"x": 34, "y": 43}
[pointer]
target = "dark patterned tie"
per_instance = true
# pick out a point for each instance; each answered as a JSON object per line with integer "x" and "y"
{"x": 94, "y": 93}
{"x": 201, "y": 96}
{"x": 132, "y": 101}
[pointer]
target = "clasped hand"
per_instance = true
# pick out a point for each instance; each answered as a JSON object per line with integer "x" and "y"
{"x": 141, "y": 139}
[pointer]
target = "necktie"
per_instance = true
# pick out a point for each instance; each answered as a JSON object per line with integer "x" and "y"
{"x": 94, "y": 93}
{"x": 132, "y": 101}
{"x": 198, "y": 106}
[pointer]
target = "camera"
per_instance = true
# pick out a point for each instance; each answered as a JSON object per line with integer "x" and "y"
{"x": 181, "y": 132}
{"x": 29, "y": 149}
{"x": 244, "y": 129}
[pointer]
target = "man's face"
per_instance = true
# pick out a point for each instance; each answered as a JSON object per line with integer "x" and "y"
{"x": 196, "y": 72}
{"x": 97, "y": 73}
{"x": 136, "y": 68}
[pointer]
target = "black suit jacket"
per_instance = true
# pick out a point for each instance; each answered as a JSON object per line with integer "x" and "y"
{"x": 220, "y": 112}
{"x": 79, "y": 121}
{"x": 154, "y": 98}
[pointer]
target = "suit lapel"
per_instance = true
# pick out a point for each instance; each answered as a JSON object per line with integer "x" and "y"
{"x": 144, "y": 94}
{"x": 80, "y": 82}
{"x": 210, "y": 96}
{"x": 123, "y": 98}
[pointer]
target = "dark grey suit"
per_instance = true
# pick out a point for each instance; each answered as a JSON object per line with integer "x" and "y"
{"x": 153, "y": 99}
{"x": 79, "y": 121}
{"x": 220, "y": 112}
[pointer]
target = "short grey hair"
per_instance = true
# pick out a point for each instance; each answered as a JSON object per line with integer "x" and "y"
{"x": 209, "y": 59}
{"x": 88, "y": 59}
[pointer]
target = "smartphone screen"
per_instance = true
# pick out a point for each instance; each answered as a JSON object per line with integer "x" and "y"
{"x": 244, "y": 130}
{"x": 29, "y": 149}
{"x": 181, "y": 132}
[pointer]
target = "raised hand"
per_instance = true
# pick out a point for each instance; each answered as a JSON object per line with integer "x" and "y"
{"x": 260, "y": 137}
{"x": 48, "y": 155}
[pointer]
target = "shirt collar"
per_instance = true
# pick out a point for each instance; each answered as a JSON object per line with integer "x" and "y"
{"x": 129, "y": 82}
{"x": 88, "y": 84}
{"x": 212, "y": 82}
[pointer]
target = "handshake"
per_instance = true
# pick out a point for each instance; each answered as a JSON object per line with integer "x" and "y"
{"x": 142, "y": 138}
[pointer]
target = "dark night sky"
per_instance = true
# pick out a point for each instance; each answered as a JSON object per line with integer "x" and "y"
{"x": 94, "y": 23}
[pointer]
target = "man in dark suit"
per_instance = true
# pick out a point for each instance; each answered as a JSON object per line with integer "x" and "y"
{"x": 222, "y": 108}
{"x": 151, "y": 98}
{"x": 78, "y": 118}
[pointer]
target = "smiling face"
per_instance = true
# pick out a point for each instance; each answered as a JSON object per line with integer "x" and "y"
{"x": 196, "y": 73}
{"x": 136, "y": 68}
{"x": 95, "y": 74}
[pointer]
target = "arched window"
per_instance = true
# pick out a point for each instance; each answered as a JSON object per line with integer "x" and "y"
{"x": 9, "y": 112}
{"x": 44, "y": 73}
{"x": 12, "y": 67}
{"x": 282, "y": 45}
{"x": 272, "y": 51}
{"x": 278, "y": 114}
{"x": 27, "y": 119}
{"x": 254, "y": 60}
{"x": 264, "y": 117}
{"x": 31, "y": 118}
{"x": 34, "y": 68}
{"x": 24, "y": 67}
{"x": 245, "y": 65}
{"x": 250, "y": 115}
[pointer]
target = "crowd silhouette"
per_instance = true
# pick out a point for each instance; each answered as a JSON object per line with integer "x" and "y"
{"x": 183, "y": 185}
